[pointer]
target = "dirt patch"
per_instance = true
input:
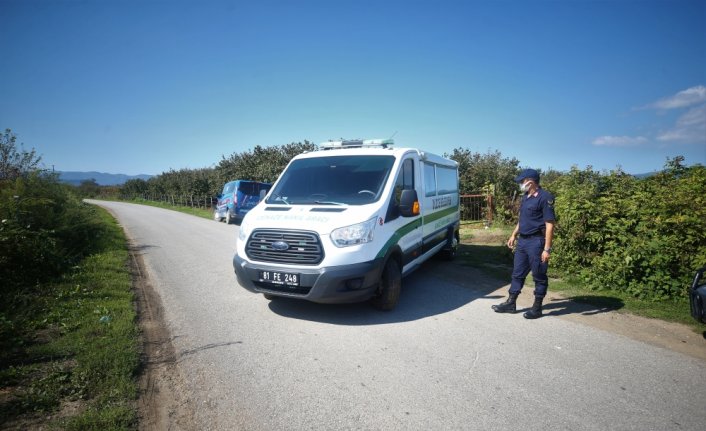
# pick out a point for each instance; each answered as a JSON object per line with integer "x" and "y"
{"x": 164, "y": 398}
{"x": 673, "y": 336}
{"x": 485, "y": 236}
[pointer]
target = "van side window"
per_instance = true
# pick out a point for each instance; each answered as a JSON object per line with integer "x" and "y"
{"x": 429, "y": 179}
{"x": 446, "y": 180}
{"x": 405, "y": 181}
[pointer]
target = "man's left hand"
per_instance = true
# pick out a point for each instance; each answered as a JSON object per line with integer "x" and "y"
{"x": 545, "y": 256}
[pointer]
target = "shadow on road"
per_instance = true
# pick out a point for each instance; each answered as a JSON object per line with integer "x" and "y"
{"x": 135, "y": 248}
{"x": 207, "y": 347}
{"x": 437, "y": 287}
{"x": 581, "y": 305}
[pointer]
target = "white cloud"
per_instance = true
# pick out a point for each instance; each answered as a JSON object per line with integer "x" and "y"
{"x": 619, "y": 141}
{"x": 689, "y": 97}
{"x": 690, "y": 127}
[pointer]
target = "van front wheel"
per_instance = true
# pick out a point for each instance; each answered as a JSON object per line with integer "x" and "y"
{"x": 390, "y": 285}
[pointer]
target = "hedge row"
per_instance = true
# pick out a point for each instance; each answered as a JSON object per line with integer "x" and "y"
{"x": 44, "y": 230}
{"x": 645, "y": 237}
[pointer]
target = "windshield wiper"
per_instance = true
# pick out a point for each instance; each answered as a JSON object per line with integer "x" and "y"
{"x": 281, "y": 198}
{"x": 329, "y": 203}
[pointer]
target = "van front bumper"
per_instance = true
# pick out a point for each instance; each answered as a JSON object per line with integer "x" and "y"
{"x": 330, "y": 285}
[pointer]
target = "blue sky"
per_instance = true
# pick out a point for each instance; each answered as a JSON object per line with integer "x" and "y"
{"x": 146, "y": 86}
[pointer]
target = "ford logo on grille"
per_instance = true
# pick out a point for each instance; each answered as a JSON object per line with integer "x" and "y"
{"x": 280, "y": 245}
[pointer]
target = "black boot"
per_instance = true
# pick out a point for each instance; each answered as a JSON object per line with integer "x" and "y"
{"x": 536, "y": 311}
{"x": 508, "y": 306}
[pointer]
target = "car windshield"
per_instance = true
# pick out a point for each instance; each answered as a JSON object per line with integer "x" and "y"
{"x": 228, "y": 188}
{"x": 333, "y": 180}
{"x": 251, "y": 188}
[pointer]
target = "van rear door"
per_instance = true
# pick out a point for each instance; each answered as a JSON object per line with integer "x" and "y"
{"x": 249, "y": 195}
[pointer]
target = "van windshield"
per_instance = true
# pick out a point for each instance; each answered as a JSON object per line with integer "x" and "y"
{"x": 333, "y": 180}
{"x": 228, "y": 188}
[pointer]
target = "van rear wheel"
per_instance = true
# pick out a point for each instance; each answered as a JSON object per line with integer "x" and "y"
{"x": 390, "y": 286}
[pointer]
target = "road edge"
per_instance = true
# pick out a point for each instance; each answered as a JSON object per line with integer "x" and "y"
{"x": 163, "y": 401}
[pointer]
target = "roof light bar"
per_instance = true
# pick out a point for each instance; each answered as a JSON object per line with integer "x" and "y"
{"x": 356, "y": 143}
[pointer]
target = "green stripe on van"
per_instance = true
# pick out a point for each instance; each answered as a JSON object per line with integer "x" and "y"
{"x": 440, "y": 214}
{"x": 409, "y": 227}
{"x": 404, "y": 230}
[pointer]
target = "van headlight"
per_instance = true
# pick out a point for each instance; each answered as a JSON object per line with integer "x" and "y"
{"x": 354, "y": 234}
{"x": 243, "y": 231}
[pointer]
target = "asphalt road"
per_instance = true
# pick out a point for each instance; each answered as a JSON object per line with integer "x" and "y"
{"x": 441, "y": 360}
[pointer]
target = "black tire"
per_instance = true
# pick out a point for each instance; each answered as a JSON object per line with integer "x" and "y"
{"x": 450, "y": 253}
{"x": 390, "y": 287}
{"x": 268, "y": 296}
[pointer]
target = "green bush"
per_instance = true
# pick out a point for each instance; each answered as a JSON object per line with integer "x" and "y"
{"x": 641, "y": 236}
{"x": 44, "y": 229}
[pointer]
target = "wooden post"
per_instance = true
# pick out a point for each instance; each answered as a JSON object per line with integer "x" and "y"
{"x": 490, "y": 209}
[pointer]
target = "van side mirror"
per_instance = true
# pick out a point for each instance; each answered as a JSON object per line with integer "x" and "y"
{"x": 409, "y": 204}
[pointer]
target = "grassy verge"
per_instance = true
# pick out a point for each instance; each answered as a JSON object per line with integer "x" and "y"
{"x": 199, "y": 212}
{"x": 485, "y": 249}
{"x": 669, "y": 310}
{"x": 69, "y": 350}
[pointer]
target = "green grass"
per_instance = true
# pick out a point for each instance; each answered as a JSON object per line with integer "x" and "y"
{"x": 70, "y": 349}
{"x": 199, "y": 212}
{"x": 668, "y": 310}
{"x": 485, "y": 249}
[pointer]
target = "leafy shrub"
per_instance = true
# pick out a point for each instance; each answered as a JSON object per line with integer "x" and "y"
{"x": 44, "y": 229}
{"x": 15, "y": 163}
{"x": 641, "y": 236}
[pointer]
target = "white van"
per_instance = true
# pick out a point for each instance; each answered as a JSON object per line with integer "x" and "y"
{"x": 347, "y": 222}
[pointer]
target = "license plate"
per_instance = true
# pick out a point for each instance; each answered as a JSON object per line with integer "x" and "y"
{"x": 281, "y": 278}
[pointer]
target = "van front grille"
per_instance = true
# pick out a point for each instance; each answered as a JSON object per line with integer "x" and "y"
{"x": 295, "y": 247}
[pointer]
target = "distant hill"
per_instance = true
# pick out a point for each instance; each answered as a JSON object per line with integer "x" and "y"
{"x": 647, "y": 175}
{"x": 101, "y": 178}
